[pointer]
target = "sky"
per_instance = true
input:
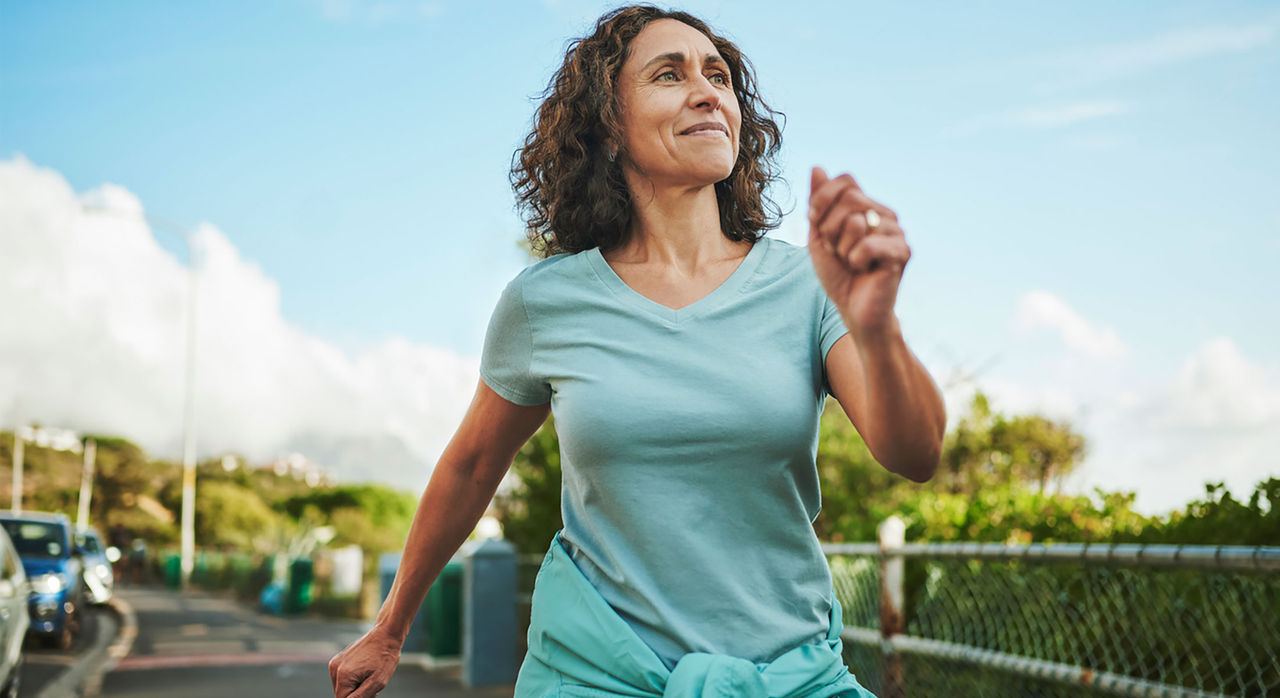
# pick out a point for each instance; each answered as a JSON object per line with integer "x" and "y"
{"x": 1088, "y": 190}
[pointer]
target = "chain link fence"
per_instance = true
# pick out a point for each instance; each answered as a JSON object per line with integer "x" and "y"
{"x": 964, "y": 619}
{"x": 1059, "y": 621}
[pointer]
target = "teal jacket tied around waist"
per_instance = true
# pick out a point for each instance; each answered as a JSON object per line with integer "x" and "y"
{"x": 580, "y": 648}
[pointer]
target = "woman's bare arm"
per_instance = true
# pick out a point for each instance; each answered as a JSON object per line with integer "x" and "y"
{"x": 460, "y": 489}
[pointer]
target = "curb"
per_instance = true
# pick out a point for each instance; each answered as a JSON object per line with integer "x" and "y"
{"x": 428, "y": 662}
{"x": 70, "y": 683}
{"x": 117, "y": 650}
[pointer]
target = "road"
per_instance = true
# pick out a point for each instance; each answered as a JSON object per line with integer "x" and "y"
{"x": 42, "y": 666}
{"x": 199, "y": 645}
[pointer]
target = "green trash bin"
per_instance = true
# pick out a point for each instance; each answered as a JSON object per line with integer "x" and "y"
{"x": 443, "y": 607}
{"x": 302, "y": 576}
{"x": 173, "y": 571}
{"x": 200, "y": 571}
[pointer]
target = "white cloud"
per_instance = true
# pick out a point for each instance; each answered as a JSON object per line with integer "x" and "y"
{"x": 1065, "y": 115}
{"x": 1218, "y": 390}
{"x": 1216, "y": 418}
{"x": 94, "y": 338}
{"x": 1038, "y": 118}
{"x": 1038, "y": 309}
{"x": 1089, "y": 65}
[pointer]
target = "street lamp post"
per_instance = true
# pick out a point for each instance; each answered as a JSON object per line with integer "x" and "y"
{"x": 189, "y": 403}
{"x": 20, "y": 437}
{"x": 188, "y": 426}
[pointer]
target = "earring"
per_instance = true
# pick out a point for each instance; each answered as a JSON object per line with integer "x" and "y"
{"x": 612, "y": 156}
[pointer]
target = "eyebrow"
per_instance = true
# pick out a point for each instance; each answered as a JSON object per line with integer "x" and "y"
{"x": 677, "y": 57}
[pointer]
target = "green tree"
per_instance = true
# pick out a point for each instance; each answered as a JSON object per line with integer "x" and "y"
{"x": 230, "y": 516}
{"x": 988, "y": 449}
{"x": 374, "y": 517}
{"x": 530, "y": 512}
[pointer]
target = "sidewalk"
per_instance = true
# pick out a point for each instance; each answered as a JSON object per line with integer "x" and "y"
{"x": 197, "y": 644}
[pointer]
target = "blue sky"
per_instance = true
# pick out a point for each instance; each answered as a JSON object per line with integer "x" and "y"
{"x": 1087, "y": 188}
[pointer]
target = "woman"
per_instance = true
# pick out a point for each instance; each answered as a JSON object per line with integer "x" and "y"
{"x": 687, "y": 358}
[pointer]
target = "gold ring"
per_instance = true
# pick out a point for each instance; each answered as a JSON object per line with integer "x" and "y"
{"x": 873, "y": 220}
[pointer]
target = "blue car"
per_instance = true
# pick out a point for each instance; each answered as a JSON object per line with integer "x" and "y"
{"x": 54, "y": 567}
{"x": 99, "y": 578}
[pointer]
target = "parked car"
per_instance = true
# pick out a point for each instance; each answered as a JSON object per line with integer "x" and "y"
{"x": 14, "y": 619}
{"x": 99, "y": 580}
{"x": 55, "y": 571}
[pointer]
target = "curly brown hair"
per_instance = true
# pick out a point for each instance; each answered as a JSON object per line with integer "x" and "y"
{"x": 573, "y": 198}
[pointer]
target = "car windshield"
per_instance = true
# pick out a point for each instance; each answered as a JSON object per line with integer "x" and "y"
{"x": 90, "y": 543}
{"x": 35, "y": 539}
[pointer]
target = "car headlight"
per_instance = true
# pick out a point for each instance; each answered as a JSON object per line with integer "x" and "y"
{"x": 103, "y": 571}
{"x": 50, "y": 583}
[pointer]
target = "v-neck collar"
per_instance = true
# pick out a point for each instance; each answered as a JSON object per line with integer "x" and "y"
{"x": 717, "y": 296}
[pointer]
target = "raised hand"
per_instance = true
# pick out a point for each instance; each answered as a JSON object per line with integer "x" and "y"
{"x": 858, "y": 259}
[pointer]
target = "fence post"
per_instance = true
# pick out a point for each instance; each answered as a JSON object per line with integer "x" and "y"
{"x": 489, "y": 614}
{"x": 892, "y": 532}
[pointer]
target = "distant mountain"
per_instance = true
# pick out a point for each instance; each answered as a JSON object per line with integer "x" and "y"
{"x": 383, "y": 459}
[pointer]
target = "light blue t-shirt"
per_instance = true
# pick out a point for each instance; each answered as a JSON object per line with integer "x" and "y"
{"x": 687, "y": 441}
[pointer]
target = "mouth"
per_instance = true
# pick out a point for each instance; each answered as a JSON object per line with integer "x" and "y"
{"x": 706, "y": 129}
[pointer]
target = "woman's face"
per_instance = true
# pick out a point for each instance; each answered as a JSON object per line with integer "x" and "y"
{"x": 675, "y": 79}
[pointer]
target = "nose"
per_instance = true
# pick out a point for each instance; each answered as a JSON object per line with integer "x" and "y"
{"x": 704, "y": 93}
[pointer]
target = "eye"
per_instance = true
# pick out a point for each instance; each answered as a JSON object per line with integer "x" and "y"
{"x": 724, "y": 77}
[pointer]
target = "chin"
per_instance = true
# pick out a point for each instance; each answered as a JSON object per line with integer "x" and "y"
{"x": 712, "y": 174}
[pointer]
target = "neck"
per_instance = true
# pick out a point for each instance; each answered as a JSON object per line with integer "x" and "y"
{"x": 675, "y": 227}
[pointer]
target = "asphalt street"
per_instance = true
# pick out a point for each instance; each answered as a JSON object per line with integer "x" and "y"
{"x": 42, "y": 665}
{"x": 197, "y": 644}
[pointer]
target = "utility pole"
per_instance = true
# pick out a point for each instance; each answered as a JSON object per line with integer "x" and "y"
{"x": 86, "y": 483}
{"x": 189, "y": 407}
{"x": 19, "y": 442}
{"x": 188, "y": 428}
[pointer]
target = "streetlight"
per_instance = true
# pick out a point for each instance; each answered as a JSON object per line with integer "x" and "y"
{"x": 189, "y": 407}
{"x": 21, "y": 436}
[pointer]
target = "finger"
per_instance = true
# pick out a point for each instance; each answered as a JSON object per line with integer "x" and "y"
{"x": 333, "y": 669}
{"x": 369, "y": 688}
{"x": 853, "y": 229}
{"x": 821, "y": 199}
{"x": 817, "y": 177}
{"x": 850, "y": 202}
{"x": 349, "y": 685}
{"x": 878, "y": 252}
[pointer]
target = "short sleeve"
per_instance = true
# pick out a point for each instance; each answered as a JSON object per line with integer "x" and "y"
{"x": 831, "y": 329}
{"x": 507, "y": 357}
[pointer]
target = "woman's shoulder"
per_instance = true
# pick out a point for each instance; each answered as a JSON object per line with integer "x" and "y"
{"x": 782, "y": 260}
{"x": 557, "y": 268}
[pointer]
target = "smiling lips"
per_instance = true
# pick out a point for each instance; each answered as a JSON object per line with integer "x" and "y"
{"x": 705, "y": 128}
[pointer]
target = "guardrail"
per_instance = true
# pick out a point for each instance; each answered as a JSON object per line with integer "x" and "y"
{"x": 991, "y": 619}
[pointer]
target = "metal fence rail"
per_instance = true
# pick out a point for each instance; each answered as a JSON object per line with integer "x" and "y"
{"x": 1059, "y": 620}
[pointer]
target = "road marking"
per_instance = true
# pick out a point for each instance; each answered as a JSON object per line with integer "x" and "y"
{"x": 118, "y": 649}
{"x": 273, "y": 621}
{"x": 184, "y": 647}
{"x": 298, "y": 647}
{"x": 57, "y": 659}
{"x": 143, "y": 662}
{"x": 71, "y": 681}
